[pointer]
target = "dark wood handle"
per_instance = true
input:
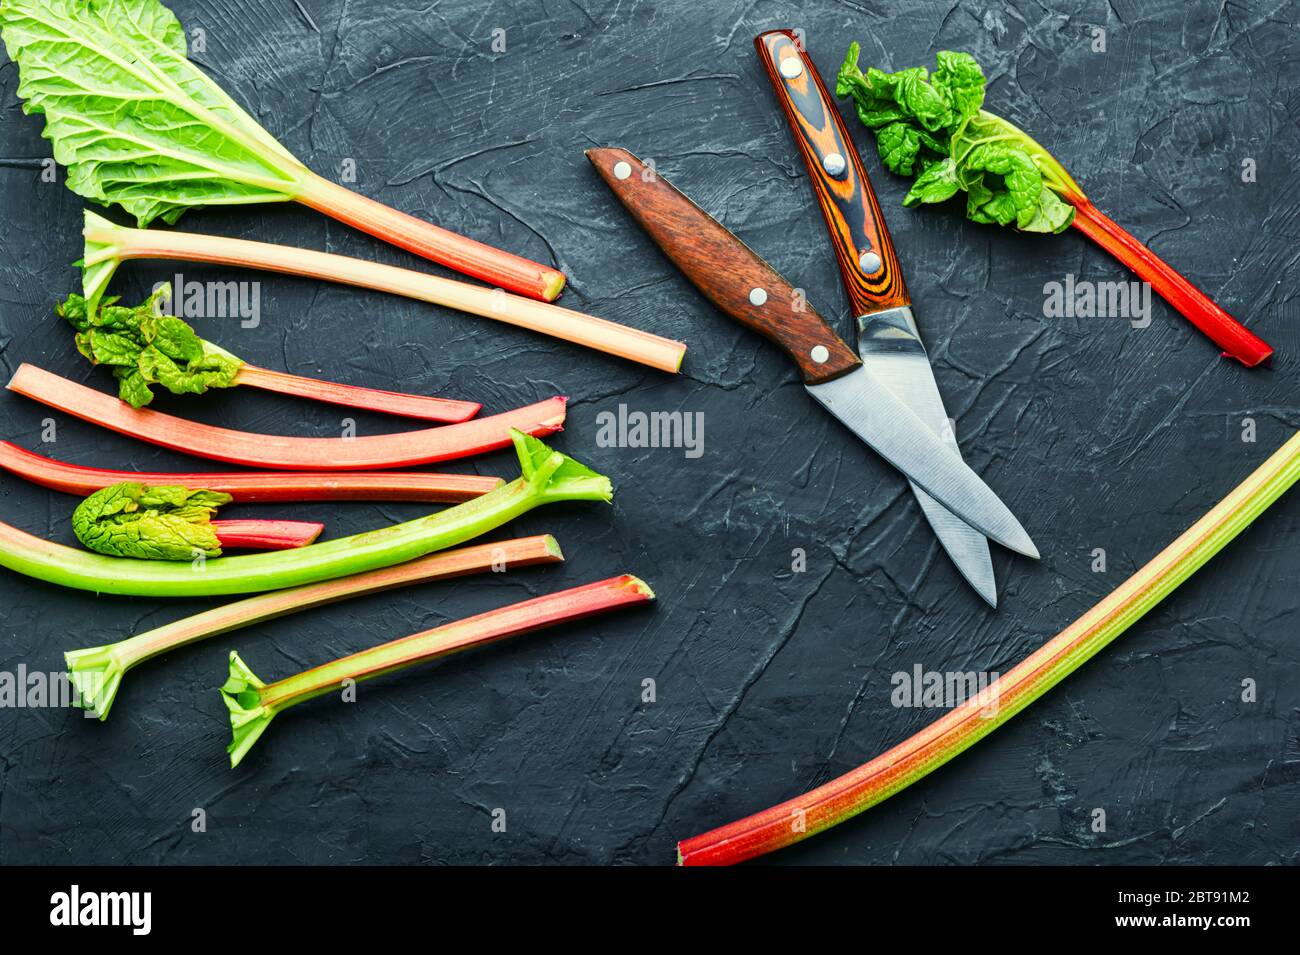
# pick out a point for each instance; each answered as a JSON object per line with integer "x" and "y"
{"x": 729, "y": 274}
{"x": 862, "y": 245}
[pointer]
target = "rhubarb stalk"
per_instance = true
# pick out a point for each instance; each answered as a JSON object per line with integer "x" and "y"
{"x": 423, "y": 238}
{"x": 963, "y": 726}
{"x": 1235, "y": 339}
{"x": 548, "y": 477}
{"x": 97, "y": 672}
{"x": 427, "y": 446}
{"x": 137, "y": 123}
{"x": 255, "y": 486}
{"x": 108, "y": 245}
{"x": 421, "y": 407}
{"x": 253, "y": 704}
{"x": 249, "y": 534}
{"x": 146, "y": 347}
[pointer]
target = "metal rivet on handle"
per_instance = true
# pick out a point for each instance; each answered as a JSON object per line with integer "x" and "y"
{"x": 758, "y": 296}
{"x": 622, "y": 170}
{"x": 869, "y": 262}
{"x": 819, "y": 353}
{"x": 791, "y": 67}
{"x": 834, "y": 164}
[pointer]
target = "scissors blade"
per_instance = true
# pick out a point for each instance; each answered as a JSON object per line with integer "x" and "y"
{"x": 871, "y": 411}
{"x": 890, "y": 347}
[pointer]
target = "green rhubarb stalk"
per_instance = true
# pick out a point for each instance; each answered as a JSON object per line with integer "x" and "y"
{"x": 548, "y": 476}
{"x": 96, "y": 672}
{"x": 963, "y": 726}
{"x": 253, "y": 704}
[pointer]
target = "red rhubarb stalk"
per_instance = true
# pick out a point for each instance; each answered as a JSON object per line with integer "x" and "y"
{"x": 255, "y": 486}
{"x": 286, "y": 453}
{"x": 423, "y": 407}
{"x": 963, "y": 726}
{"x": 473, "y": 258}
{"x": 253, "y": 704}
{"x": 934, "y": 128}
{"x": 1235, "y": 339}
{"x": 251, "y": 534}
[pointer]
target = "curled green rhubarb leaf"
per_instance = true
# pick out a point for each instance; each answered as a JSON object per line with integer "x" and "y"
{"x": 145, "y": 347}
{"x": 931, "y": 125}
{"x": 150, "y": 523}
{"x": 549, "y": 476}
{"x": 249, "y": 718}
{"x": 172, "y": 522}
{"x": 253, "y": 704}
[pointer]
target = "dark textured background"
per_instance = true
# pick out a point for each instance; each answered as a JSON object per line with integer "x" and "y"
{"x": 768, "y": 682}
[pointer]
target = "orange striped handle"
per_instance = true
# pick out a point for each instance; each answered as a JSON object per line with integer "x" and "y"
{"x": 862, "y": 245}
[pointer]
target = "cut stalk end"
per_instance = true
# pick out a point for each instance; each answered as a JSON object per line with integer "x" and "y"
{"x": 552, "y": 547}
{"x": 639, "y": 587}
{"x": 248, "y": 717}
{"x": 556, "y": 476}
{"x": 95, "y": 674}
{"x": 553, "y": 286}
{"x": 100, "y": 258}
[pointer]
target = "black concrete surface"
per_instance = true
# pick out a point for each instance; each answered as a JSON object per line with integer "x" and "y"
{"x": 767, "y": 681}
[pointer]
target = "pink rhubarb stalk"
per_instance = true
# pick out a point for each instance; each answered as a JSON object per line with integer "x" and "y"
{"x": 253, "y": 704}
{"x": 447, "y": 248}
{"x": 248, "y": 534}
{"x": 963, "y": 726}
{"x": 256, "y": 486}
{"x": 283, "y": 453}
{"x": 422, "y": 407}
